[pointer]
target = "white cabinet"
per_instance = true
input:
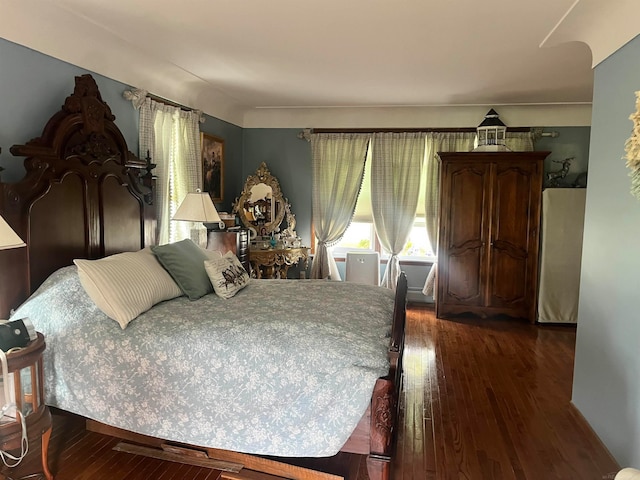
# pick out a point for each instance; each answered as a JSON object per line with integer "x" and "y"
{"x": 561, "y": 254}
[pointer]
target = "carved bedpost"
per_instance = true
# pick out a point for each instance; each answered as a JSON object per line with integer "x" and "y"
{"x": 148, "y": 179}
{"x": 385, "y": 403}
{"x": 383, "y": 413}
{"x": 144, "y": 183}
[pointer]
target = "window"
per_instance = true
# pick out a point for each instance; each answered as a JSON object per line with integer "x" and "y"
{"x": 361, "y": 235}
{"x": 175, "y": 138}
{"x": 418, "y": 245}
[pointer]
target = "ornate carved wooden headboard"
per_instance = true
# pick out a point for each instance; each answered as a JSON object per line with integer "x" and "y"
{"x": 84, "y": 195}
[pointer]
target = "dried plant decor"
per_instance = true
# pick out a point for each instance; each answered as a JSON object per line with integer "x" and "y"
{"x": 632, "y": 149}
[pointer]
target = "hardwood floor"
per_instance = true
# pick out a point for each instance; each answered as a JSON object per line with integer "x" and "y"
{"x": 482, "y": 399}
{"x": 490, "y": 399}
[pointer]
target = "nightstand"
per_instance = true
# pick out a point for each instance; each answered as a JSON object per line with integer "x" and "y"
{"x": 27, "y": 382}
{"x": 236, "y": 241}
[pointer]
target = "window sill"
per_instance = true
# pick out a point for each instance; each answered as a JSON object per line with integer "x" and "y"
{"x": 341, "y": 257}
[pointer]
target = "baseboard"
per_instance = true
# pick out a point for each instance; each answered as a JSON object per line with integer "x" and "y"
{"x": 415, "y": 295}
{"x": 576, "y": 411}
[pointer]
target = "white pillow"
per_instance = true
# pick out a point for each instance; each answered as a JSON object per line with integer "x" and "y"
{"x": 126, "y": 284}
{"x": 227, "y": 275}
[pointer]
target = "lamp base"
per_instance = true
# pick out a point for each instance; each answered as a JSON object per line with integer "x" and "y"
{"x": 198, "y": 235}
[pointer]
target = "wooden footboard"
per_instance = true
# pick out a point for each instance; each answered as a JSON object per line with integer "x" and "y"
{"x": 385, "y": 400}
{"x": 376, "y": 433}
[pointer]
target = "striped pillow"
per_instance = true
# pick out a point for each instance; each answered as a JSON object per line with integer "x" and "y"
{"x": 126, "y": 284}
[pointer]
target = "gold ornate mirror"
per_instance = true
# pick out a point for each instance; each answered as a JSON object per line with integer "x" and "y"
{"x": 261, "y": 206}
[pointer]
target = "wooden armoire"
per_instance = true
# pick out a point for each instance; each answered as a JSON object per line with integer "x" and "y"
{"x": 489, "y": 233}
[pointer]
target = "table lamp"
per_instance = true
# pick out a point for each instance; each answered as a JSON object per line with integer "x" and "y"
{"x": 9, "y": 238}
{"x": 198, "y": 207}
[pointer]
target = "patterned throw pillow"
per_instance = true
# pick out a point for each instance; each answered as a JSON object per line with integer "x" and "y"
{"x": 227, "y": 275}
{"x": 126, "y": 284}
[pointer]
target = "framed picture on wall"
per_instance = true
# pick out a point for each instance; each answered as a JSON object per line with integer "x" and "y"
{"x": 212, "y": 166}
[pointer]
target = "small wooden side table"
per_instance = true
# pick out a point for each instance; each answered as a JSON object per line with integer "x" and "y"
{"x": 26, "y": 376}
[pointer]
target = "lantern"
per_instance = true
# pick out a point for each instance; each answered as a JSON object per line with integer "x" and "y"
{"x": 491, "y": 134}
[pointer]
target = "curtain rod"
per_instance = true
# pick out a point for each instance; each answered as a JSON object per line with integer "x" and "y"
{"x": 137, "y": 96}
{"x": 170, "y": 103}
{"x": 305, "y": 134}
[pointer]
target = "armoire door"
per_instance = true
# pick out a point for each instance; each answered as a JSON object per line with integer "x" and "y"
{"x": 462, "y": 245}
{"x": 514, "y": 237}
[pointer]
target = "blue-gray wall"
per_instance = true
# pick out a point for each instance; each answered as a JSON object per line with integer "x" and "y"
{"x": 33, "y": 87}
{"x": 233, "y": 152}
{"x": 606, "y": 383}
{"x": 571, "y": 142}
{"x": 606, "y": 386}
{"x": 288, "y": 158}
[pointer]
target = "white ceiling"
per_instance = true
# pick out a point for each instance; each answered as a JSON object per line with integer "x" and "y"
{"x": 231, "y": 57}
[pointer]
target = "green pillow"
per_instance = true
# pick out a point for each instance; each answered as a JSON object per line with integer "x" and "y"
{"x": 184, "y": 261}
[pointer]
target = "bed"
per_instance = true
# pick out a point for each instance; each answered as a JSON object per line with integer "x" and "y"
{"x": 85, "y": 196}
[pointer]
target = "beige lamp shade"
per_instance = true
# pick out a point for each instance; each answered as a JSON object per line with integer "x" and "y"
{"x": 9, "y": 238}
{"x": 197, "y": 207}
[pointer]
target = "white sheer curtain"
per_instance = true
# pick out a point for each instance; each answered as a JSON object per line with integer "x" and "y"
{"x": 439, "y": 142}
{"x": 396, "y": 169}
{"x": 337, "y": 165}
{"x": 519, "y": 141}
{"x": 172, "y": 137}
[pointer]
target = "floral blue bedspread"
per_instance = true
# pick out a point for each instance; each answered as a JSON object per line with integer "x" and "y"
{"x": 284, "y": 368}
